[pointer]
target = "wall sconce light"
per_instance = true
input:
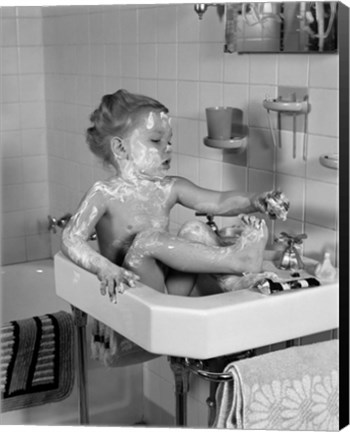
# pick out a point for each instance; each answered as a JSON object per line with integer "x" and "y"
{"x": 200, "y": 8}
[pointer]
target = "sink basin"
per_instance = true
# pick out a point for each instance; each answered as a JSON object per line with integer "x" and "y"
{"x": 200, "y": 327}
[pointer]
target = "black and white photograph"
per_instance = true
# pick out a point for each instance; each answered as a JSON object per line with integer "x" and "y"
{"x": 175, "y": 215}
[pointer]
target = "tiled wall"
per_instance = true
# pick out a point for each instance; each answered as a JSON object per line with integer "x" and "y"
{"x": 25, "y": 192}
{"x": 166, "y": 52}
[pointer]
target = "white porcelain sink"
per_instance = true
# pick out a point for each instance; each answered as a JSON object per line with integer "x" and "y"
{"x": 200, "y": 327}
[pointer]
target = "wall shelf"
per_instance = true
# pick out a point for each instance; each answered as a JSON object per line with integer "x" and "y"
{"x": 238, "y": 141}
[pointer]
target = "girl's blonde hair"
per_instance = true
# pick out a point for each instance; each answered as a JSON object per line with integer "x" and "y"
{"x": 116, "y": 115}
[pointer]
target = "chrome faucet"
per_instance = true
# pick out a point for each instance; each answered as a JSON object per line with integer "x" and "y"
{"x": 291, "y": 259}
{"x": 210, "y": 221}
{"x": 61, "y": 223}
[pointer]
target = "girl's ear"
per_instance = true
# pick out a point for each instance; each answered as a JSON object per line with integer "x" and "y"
{"x": 118, "y": 148}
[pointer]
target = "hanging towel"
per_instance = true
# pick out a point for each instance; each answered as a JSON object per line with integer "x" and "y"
{"x": 37, "y": 361}
{"x": 115, "y": 350}
{"x": 292, "y": 389}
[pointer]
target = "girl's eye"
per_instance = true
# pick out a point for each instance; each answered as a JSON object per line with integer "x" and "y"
{"x": 155, "y": 141}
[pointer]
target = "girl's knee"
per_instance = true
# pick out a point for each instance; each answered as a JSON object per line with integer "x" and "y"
{"x": 197, "y": 231}
{"x": 142, "y": 247}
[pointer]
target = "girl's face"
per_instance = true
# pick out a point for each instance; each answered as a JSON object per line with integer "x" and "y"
{"x": 149, "y": 144}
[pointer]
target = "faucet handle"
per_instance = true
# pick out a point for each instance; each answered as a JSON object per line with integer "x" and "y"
{"x": 210, "y": 221}
{"x": 62, "y": 222}
{"x": 52, "y": 224}
{"x": 291, "y": 239}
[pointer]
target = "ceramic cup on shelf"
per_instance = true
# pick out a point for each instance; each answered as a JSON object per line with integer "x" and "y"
{"x": 219, "y": 122}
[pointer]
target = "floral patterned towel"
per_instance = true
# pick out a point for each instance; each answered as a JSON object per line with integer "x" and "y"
{"x": 292, "y": 389}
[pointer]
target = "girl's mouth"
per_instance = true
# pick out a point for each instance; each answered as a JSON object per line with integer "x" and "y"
{"x": 166, "y": 163}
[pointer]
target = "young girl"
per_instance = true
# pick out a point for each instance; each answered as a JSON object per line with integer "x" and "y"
{"x": 130, "y": 211}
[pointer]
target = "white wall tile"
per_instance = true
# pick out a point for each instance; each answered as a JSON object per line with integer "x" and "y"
{"x": 211, "y": 62}
{"x": 167, "y": 61}
{"x": 167, "y": 94}
{"x": 324, "y": 114}
{"x": 9, "y": 60}
{"x": 30, "y": 31}
{"x": 96, "y": 28}
{"x": 260, "y": 181}
{"x": 210, "y": 174}
{"x": 10, "y": 116}
{"x": 31, "y": 59}
{"x": 32, "y": 115}
{"x": 211, "y": 28}
{"x": 324, "y": 71}
{"x": 293, "y": 70}
{"x": 30, "y": 11}
{"x": 129, "y": 63}
{"x": 188, "y": 138}
{"x": 261, "y": 150}
{"x": 83, "y": 60}
{"x": 13, "y": 224}
{"x": 234, "y": 178}
{"x": 236, "y": 68}
{"x": 189, "y": 168}
{"x": 319, "y": 241}
{"x": 263, "y": 69}
{"x": 166, "y": 24}
{"x": 188, "y": 61}
{"x": 147, "y": 61}
{"x": 10, "y": 89}
{"x": 9, "y": 32}
{"x": 12, "y": 198}
{"x": 128, "y": 21}
{"x": 13, "y": 250}
{"x": 38, "y": 246}
{"x": 97, "y": 59}
{"x": 12, "y": 172}
{"x": 148, "y": 87}
{"x": 32, "y": 87}
{"x": 188, "y": 24}
{"x": 35, "y": 169}
{"x": 11, "y": 144}
{"x": 35, "y": 195}
{"x": 147, "y": 25}
{"x": 321, "y": 204}
{"x": 36, "y": 221}
{"x": 237, "y": 95}
{"x": 188, "y": 99}
{"x": 112, "y": 60}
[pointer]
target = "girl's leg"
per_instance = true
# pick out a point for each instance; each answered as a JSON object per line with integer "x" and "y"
{"x": 178, "y": 282}
{"x": 186, "y": 256}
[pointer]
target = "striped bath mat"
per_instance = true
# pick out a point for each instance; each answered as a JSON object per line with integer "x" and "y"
{"x": 37, "y": 361}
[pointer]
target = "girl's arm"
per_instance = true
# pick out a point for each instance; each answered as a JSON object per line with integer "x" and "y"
{"x": 229, "y": 203}
{"x": 74, "y": 243}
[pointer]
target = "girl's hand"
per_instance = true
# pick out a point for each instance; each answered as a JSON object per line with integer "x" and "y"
{"x": 273, "y": 203}
{"x": 115, "y": 280}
